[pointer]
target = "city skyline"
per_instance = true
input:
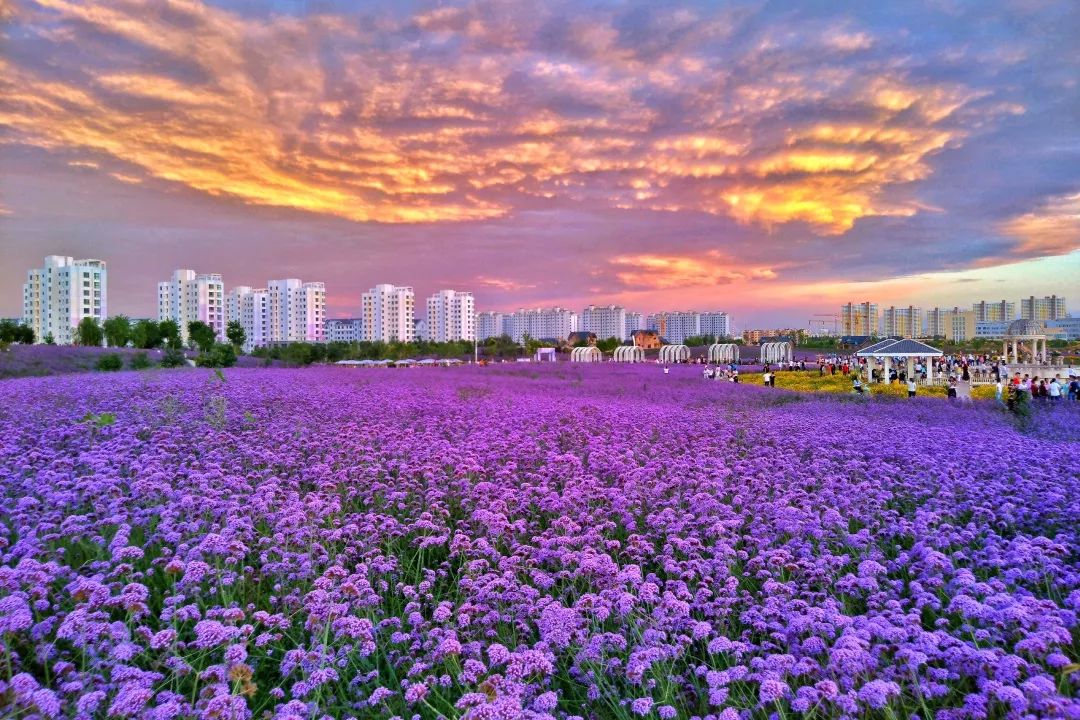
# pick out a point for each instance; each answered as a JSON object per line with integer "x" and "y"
{"x": 770, "y": 161}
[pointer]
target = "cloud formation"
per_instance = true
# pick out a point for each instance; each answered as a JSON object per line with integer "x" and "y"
{"x": 755, "y": 127}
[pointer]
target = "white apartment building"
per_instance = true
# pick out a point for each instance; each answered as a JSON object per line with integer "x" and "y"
{"x": 345, "y": 330}
{"x": 489, "y": 324}
{"x": 675, "y": 326}
{"x": 986, "y": 311}
{"x": 634, "y": 321}
{"x": 451, "y": 315}
{"x": 1042, "y": 309}
{"x": 716, "y": 323}
{"x": 543, "y": 323}
{"x": 60, "y": 294}
{"x": 604, "y": 321}
{"x": 387, "y": 312}
{"x": 251, "y": 308}
{"x": 191, "y": 296}
{"x": 859, "y": 319}
{"x": 905, "y": 322}
{"x": 296, "y": 310}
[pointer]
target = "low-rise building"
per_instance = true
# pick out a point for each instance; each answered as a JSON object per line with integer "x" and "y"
{"x": 646, "y": 339}
{"x": 344, "y": 330}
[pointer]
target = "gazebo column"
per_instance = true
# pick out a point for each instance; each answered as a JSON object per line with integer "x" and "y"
{"x": 910, "y": 369}
{"x": 886, "y": 371}
{"x": 929, "y": 371}
{"x": 1005, "y": 350}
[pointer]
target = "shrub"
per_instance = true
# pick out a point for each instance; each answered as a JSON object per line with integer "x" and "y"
{"x": 139, "y": 361}
{"x": 219, "y": 356}
{"x": 173, "y": 357}
{"x": 110, "y": 362}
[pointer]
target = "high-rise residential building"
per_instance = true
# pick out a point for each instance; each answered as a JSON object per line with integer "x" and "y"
{"x": 251, "y": 308}
{"x": 296, "y": 310}
{"x": 716, "y": 323}
{"x": 962, "y": 325}
{"x": 420, "y": 329}
{"x": 388, "y": 313}
{"x": 859, "y": 319}
{"x": 489, "y": 324}
{"x": 1002, "y": 310}
{"x": 905, "y": 322}
{"x": 57, "y": 296}
{"x": 939, "y": 321}
{"x": 190, "y": 296}
{"x": 674, "y": 327}
{"x": 604, "y": 321}
{"x": 451, "y": 315}
{"x": 344, "y": 330}
{"x": 543, "y": 323}
{"x": 634, "y": 321}
{"x": 1042, "y": 309}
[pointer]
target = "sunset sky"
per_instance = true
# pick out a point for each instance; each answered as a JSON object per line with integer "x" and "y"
{"x": 772, "y": 159}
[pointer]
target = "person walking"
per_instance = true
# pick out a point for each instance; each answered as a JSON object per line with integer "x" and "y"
{"x": 766, "y": 377}
{"x": 911, "y": 387}
{"x": 999, "y": 389}
{"x": 1055, "y": 389}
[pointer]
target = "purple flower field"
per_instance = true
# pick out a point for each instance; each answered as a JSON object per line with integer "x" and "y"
{"x": 522, "y": 542}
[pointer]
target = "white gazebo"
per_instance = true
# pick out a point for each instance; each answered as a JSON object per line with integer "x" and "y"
{"x": 1031, "y": 332}
{"x": 629, "y": 354}
{"x": 723, "y": 353}
{"x": 674, "y": 353}
{"x": 588, "y": 353}
{"x": 777, "y": 352}
{"x": 903, "y": 349}
{"x": 545, "y": 354}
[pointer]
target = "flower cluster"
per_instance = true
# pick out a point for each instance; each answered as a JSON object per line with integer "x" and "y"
{"x": 551, "y": 543}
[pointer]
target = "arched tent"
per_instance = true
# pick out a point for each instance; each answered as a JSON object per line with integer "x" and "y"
{"x": 589, "y": 353}
{"x": 724, "y": 353}
{"x": 674, "y": 354}
{"x": 629, "y": 354}
{"x": 777, "y": 352}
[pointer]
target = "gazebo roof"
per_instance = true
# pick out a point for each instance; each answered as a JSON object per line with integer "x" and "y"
{"x": 874, "y": 346}
{"x": 899, "y": 348}
{"x": 1025, "y": 329}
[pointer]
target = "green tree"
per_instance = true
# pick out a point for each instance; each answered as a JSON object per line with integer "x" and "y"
{"x": 235, "y": 332}
{"x": 89, "y": 333}
{"x": 25, "y": 335}
{"x": 117, "y": 330}
{"x": 608, "y": 345}
{"x": 8, "y": 329}
{"x": 201, "y": 335}
{"x": 169, "y": 332}
{"x": 146, "y": 335}
{"x": 49, "y": 339}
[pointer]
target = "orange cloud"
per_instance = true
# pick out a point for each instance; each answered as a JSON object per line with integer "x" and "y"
{"x": 385, "y": 133}
{"x": 660, "y": 272}
{"x": 1051, "y": 229}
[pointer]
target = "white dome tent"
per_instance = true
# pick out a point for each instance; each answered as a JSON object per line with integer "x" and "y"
{"x": 724, "y": 353}
{"x": 777, "y": 352}
{"x": 674, "y": 354}
{"x": 589, "y": 353}
{"x": 629, "y": 354}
